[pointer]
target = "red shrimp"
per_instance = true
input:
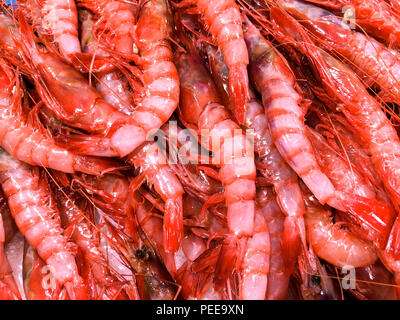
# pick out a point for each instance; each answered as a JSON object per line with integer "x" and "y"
{"x": 60, "y": 19}
{"x": 200, "y": 109}
{"x": 83, "y": 235}
{"x": 367, "y": 56}
{"x": 115, "y": 24}
{"x": 255, "y": 265}
{"x": 159, "y": 97}
{"x": 271, "y": 165}
{"x": 278, "y": 276}
{"x": 274, "y": 80}
{"x": 222, "y": 19}
{"x": 61, "y": 86}
{"x": 376, "y": 17}
{"x": 37, "y": 218}
{"x": 331, "y": 242}
{"x": 112, "y": 85}
{"x": 361, "y": 110}
{"x": 154, "y": 167}
{"x": 27, "y": 141}
{"x": 8, "y": 286}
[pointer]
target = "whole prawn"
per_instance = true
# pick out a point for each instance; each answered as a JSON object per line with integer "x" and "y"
{"x": 61, "y": 86}
{"x": 376, "y": 17}
{"x": 32, "y": 207}
{"x": 27, "y": 140}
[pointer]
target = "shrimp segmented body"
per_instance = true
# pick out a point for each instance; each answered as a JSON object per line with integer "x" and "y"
{"x": 36, "y": 216}
{"x": 8, "y": 286}
{"x": 159, "y": 97}
{"x": 115, "y": 24}
{"x": 154, "y": 167}
{"x": 61, "y": 87}
{"x": 60, "y": 18}
{"x": 222, "y": 19}
{"x": 200, "y": 109}
{"x": 278, "y": 276}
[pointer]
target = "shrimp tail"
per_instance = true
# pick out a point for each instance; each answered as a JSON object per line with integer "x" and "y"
{"x": 173, "y": 224}
{"x": 238, "y": 85}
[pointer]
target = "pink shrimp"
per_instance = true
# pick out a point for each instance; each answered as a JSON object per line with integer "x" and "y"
{"x": 376, "y": 17}
{"x": 371, "y": 124}
{"x": 200, "y": 109}
{"x": 367, "y": 56}
{"x": 61, "y": 87}
{"x": 271, "y": 165}
{"x": 27, "y": 141}
{"x": 222, "y": 19}
{"x": 154, "y": 167}
{"x": 8, "y": 286}
{"x": 255, "y": 265}
{"x": 60, "y": 19}
{"x": 332, "y": 243}
{"x": 35, "y": 273}
{"x": 115, "y": 24}
{"x": 112, "y": 85}
{"x": 159, "y": 96}
{"x": 73, "y": 218}
{"x": 37, "y": 218}
{"x": 278, "y": 276}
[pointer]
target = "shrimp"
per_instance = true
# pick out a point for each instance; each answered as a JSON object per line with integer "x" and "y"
{"x": 26, "y": 141}
{"x": 115, "y": 24}
{"x": 36, "y": 216}
{"x": 331, "y": 242}
{"x": 200, "y": 109}
{"x": 35, "y": 273}
{"x": 153, "y": 166}
{"x": 278, "y": 276}
{"x": 112, "y": 85}
{"x": 8, "y": 286}
{"x": 255, "y": 266}
{"x": 376, "y": 17}
{"x": 73, "y": 218}
{"x": 222, "y": 19}
{"x": 348, "y": 180}
{"x": 158, "y": 98}
{"x": 60, "y": 19}
{"x": 361, "y": 110}
{"x": 61, "y": 87}
{"x": 271, "y": 165}
{"x": 367, "y": 56}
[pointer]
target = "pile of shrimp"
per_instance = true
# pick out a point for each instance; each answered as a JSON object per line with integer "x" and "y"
{"x": 193, "y": 149}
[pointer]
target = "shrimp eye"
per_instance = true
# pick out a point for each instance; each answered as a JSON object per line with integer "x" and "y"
{"x": 140, "y": 254}
{"x": 316, "y": 280}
